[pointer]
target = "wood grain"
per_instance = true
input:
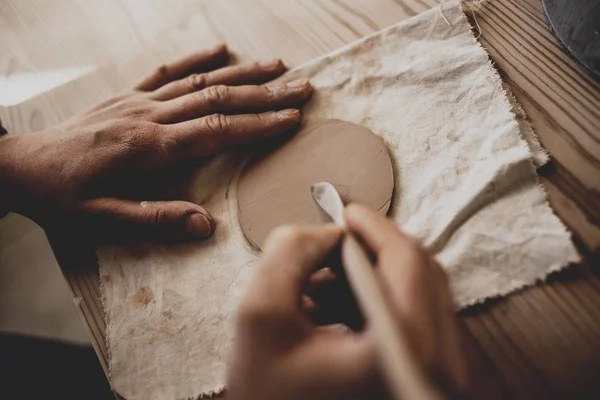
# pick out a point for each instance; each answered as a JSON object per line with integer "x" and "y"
{"x": 538, "y": 343}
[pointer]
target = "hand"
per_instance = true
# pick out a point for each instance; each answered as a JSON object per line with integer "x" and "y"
{"x": 93, "y": 171}
{"x": 279, "y": 353}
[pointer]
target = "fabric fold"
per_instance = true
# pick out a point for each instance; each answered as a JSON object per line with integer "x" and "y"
{"x": 465, "y": 186}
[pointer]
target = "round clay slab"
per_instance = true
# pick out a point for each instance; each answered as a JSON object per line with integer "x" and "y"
{"x": 274, "y": 189}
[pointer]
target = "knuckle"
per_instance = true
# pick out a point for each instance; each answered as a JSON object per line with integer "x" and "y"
{"x": 152, "y": 130}
{"x": 136, "y": 110}
{"x": 215, "y": 123}
{"x": 269, "y": 91}
{"x": 156, "y": 217}
{"x": 139, "y": 138}
{"x": 264, "y": 118}
{"x": 105, "y": 137}
{"x": 167, "y": 146}
{"x": 196, "y": 81}
{"x": 216, "y": 94}
{"x": 133, "y": 140}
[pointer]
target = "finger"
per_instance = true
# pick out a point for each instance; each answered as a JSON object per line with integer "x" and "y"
{"x": 319, "y": 280}
{"x": 290, "y": 256}
{"x": 208, "y": 135}
{"x": 203, "y": 61}
{"x": 400, "y": 258}
{"x": 308, "y": 305}
{"x": 234, "y": 99}
{"x": 155, "y": 146}
{"x": 317, "y": 283}
{"x": 249, "y": 74}
{"x": 405, "y": 272}
{"x": 375, "y": 229}
{"x": 121, "y": 220}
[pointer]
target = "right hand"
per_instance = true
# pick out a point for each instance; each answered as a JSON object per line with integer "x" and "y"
{"x": 418, "y": 288}
{"x": 298, "y": 359}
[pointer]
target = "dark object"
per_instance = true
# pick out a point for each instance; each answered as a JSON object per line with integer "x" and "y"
{"x": 34, "y": 368}
{"x": 577, "y": 25}
{"x": 2, "y": 132}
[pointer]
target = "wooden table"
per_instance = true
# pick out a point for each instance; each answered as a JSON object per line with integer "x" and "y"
{"x": 543, "y": 341}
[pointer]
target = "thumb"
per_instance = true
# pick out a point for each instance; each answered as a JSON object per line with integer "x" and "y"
{"x": 113, "y": 219}
{"x": 290, "y": 255}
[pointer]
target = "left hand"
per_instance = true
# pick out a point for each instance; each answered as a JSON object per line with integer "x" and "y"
{"x": 95, "y": 171}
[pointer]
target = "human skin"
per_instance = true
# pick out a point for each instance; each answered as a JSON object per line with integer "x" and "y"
{"x": 97, "y": 173}
{"x": 280, "y": 352}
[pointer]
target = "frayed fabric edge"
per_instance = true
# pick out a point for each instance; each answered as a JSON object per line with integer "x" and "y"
{"x": 106, "y": 320}
{"x": 209, "y": 395}
{"x": 517, "y": 287}
{"x": 538, "y": 156}
{"x": 519, "y": 115}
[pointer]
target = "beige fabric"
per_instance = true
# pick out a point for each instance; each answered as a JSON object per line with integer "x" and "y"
{"x": 465, "y": 186}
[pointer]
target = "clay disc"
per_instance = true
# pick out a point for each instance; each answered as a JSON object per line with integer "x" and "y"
{"x": 274, "y": 189}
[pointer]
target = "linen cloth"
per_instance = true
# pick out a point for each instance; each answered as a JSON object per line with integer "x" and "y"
{"x": 465, "y": 186}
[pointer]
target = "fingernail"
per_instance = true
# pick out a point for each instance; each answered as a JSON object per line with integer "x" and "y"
{"x": 269, "y": 64}
{"x": 198, "y": 226}
{"x": 289, "y": 113}
{"x": 220, "y": 47}
{"x": 298, "y": 83}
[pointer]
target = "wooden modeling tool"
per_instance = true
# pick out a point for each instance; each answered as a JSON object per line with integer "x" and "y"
{"x": 404, "y": 377}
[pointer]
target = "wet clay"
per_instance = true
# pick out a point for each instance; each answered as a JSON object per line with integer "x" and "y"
{"x": 274, "y": 189}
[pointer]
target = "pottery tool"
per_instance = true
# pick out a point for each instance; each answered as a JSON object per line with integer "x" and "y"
{"x": 403, "y": 375}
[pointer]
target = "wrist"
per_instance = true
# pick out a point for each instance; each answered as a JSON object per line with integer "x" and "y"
{"x": 8, "y": 173}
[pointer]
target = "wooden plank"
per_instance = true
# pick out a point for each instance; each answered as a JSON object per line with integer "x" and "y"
{"x": 562, "y": 103}
{"x": 544, "y": 337}
{"x": 540, "y": 342}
